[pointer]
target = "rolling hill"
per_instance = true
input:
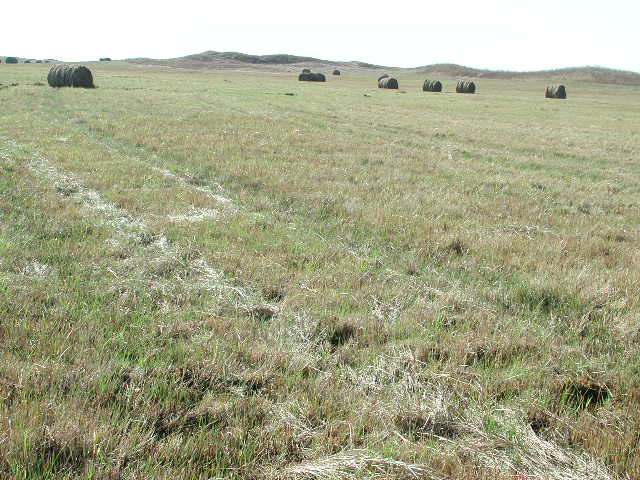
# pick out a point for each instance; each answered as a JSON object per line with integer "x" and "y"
{"x": 292, "y": 63}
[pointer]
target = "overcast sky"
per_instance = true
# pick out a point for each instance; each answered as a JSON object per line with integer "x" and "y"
{"x": 495, "y": 34}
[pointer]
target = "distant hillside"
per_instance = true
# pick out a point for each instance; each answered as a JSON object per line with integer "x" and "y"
{"x": 595, "y": 74}
{"x": 243, "y": 61}
{"x": 291, "y": 63}
{"x": 277, "y": 59}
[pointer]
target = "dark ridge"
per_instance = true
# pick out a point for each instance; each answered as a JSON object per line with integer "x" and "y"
{"x": 226, "y": 59}
{"x": 277, "y": 59}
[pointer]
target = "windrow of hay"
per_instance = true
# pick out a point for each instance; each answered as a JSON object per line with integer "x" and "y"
{"x": 155, "y": 251}
{"x": 511, "y": 448}
{"x": 356, "y": 464}
{"x": 70, "y": 76}
{"x": 501, "y": 447}
{"x": 555, "y": 91}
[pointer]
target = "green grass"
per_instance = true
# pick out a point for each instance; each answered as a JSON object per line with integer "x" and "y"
{"x": 202, "y": 277}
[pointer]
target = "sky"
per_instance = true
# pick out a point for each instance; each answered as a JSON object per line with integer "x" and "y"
{"x": 496, "y": 34}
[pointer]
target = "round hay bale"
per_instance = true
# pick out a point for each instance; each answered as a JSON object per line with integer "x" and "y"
{"x": 50, "y": 77}
{"x": 556, "y": 91}
{"x": 471, "y": 87}
{"x": 59, "y": 74}
{"x": 306, "y": 70}
{"x": 432, "y": 86}
{"x": 388, "y": 82}
{"x": 66, "y": 76}
{"x": 336, "y": 72}
{"x": 69, "y": 76}
{"x": 54, "y": 78}
{"x": 312, "y": 77}
{"x": 11, "y": 60}
{"x": 81, "y": 77}
{"x": 465, "y": 86}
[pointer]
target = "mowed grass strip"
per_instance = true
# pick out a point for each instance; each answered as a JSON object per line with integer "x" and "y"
{"x": 483, "y": 246}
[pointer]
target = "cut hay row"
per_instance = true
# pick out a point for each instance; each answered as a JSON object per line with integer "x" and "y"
{"x": 183, "y": 181}
{"x": 153, "y": 250}
{"x": 511, "y": 450}
{"x": 357, "y": 464}
{"x": 70, "y": 76}
{"x": 216, "y": 193}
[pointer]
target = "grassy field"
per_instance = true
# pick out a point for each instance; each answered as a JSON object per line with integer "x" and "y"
{"x": 228, "y": 275}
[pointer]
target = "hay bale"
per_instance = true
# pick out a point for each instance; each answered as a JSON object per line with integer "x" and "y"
{"x": 11, "y": 60}
{"x": 312, "y": 77}
{"x": 465, "y": 86}
{"x": 66, "y": 76}
{"x": 432, "y": 86}
{"x": 555, "y": 91}
{"x": 56, "y": 76}
{"x": 52, "y": 77}
{"x": 388, "y": 82}
{"x": 336, "y": 72}
{"x": 306, "y": 70}
{"x": 70, "y": 76}
{"x": 105, "y": 59}
{"x": 81, "y": 77}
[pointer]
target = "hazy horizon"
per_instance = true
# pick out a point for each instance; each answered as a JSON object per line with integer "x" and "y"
{"x": 496, "y": 35}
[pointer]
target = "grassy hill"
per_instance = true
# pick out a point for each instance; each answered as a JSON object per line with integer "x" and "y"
{"x": 593, "y": 74}
{"x": 284, "y": 62}
{"x": 231, "y": 274}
